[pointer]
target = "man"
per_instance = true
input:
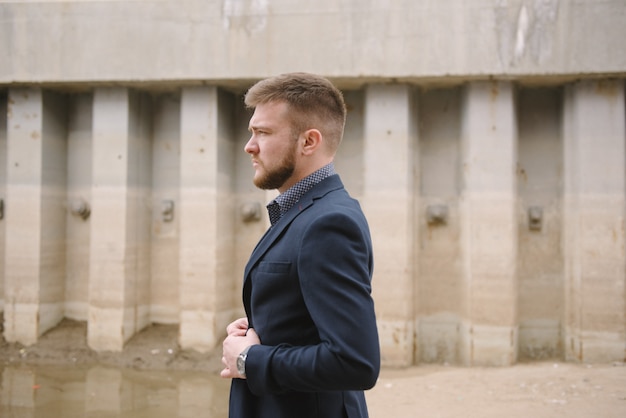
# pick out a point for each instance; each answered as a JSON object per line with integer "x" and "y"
{"x": 308, "y": 346}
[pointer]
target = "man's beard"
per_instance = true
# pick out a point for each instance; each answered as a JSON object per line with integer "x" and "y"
{"x": 277, "y": 177}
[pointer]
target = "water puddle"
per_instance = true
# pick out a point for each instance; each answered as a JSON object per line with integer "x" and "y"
{"x": 103, "y": 392}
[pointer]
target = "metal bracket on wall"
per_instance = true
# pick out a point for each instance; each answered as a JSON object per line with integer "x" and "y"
{"x": 437, "y": 214}
{"x": 251, "y": 211}
{"x": 1, "y": 209}
{"x": 80, "y": 208}
{"x": 535, "y": 218}
{"x": 167, "y": 210}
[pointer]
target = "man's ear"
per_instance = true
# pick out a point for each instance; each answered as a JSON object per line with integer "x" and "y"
{"x": 313, "y": 141}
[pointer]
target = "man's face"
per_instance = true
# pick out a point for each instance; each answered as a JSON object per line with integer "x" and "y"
{"x": 272, "y": 147}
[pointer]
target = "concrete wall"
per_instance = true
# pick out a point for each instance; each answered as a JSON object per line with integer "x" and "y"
{"x": 485, "y": 141}
{"x": 235, "y": 40}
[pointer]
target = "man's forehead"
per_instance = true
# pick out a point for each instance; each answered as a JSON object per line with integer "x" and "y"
{"x": 268, "y": 114}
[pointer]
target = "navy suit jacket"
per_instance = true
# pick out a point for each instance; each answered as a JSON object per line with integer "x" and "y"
{"x": 307, "y": 294}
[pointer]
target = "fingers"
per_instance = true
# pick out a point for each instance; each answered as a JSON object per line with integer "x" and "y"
{"x": 225, "y": 373}
{"x": 237, "y": 327}
{"x": 254, "y": 338}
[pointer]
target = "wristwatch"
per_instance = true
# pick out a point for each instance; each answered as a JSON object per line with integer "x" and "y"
{"x": 241, "y": 361}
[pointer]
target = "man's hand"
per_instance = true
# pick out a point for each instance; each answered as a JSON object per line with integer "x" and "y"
{"x": 239, "y": 337}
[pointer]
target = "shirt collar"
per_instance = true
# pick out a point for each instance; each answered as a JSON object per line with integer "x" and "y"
{"x": 289, "y": 198}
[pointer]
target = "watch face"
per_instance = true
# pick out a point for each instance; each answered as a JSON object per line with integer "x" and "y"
{"x": 241, "y": 365}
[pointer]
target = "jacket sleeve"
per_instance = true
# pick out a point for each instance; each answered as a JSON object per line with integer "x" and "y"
{"x": 334, "y": 267}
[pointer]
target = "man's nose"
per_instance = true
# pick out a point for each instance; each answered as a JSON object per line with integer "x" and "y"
{"x": 250, "y": 146}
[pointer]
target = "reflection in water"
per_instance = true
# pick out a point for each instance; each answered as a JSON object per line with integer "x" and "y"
{"x": 102, "y": 392}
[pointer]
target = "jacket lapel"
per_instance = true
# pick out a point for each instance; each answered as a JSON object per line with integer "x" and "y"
{"x": 327, "y": 185}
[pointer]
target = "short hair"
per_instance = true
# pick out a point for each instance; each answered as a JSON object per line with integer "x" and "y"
{"x": 312, "y": 100}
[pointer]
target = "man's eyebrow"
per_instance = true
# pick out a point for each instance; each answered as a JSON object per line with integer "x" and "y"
{"x": 258, "y": 127}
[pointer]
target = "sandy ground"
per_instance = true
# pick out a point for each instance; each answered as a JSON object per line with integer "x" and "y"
{"x": 537, "y": 390}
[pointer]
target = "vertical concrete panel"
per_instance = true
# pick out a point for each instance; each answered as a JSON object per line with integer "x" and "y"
{"x": 54, "y": 211}
{"x": 35, "y": 225}
{"x": 226, "y": 276}
{"x": 109, "y": 217}
{"x": 23, "y": 220}
{"x": 79, "y": 164}
{"x": 489, "y": 224}
{"x": 137, "y": 302}
{"x": 3, "y": 181}
{"x": 120, "y": 219}
{"x": 164, "y": 299}
{"x": 594, "y": 133}
{"x": 206, "y": 217}
{"x": 349, "y": 159}
{"x": 389, "y": 165}
{"x": 248, "y": 197}
{"x": 540, "y": 258}
{"x": 439, "y": 290}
